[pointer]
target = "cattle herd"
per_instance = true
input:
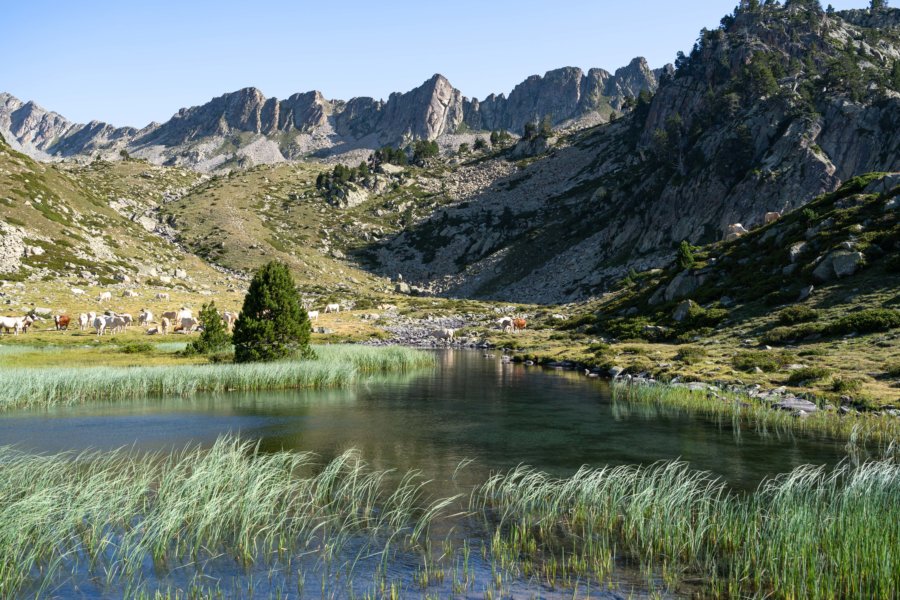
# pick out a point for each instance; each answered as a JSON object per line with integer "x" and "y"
{"x": 109, "y": 321}
{"x": 184, "y": 321}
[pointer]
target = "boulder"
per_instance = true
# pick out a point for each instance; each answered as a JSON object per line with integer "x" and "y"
{"x": 180, "y": 274}
{"x": 614, "y": 372}
{"x": 794, "y": 404}
{"x": 402, "y": 288}
{"x": 683, "y": 310}
{"x": 796, "y": 250}
{"x": 824, "y": 271}
{"x": 805, "y": 293}
{"x": 683, "y": 284}
{"x": 846, "y": 264}
{"x": 658, "y": 296}
{"x": 34, "y": 251}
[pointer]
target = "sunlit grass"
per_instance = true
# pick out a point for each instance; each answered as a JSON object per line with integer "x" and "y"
{"x": 120, "y": 517}
{"x": 811, "y": 533}
{"x": 334, "y": 367}
{"x": 744, "y": 412}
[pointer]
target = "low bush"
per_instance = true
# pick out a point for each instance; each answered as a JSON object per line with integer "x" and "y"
{"x": 812, "y": 352}
{"x": 598, "y": 348}
{"x": 765, "y": 360}
{"x": 690, "y": 355}
{"x": 780, "y": 297}
{"x": 704, "y": 317}
{"x": 629, "y": 328}
{"x": 843, "y": 385}
{"x": 577, "y": 321}
{"x": 872, "y": 320}
{"x": 137, "y": 348}
{"x": 808, "y": 374}
{"x": 783, "y": 335}
{"x": 797, "y": 314}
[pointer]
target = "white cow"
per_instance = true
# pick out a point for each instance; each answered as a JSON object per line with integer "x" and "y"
{"x": 313, "y": 315}
{"x": 184, "y": 313}
{"x": 16, "y": 324}
{"x": 129, "y": 294}
{"x": 162, "y": 296}
{"x": 77, "y": 292}
{"x": 117, "y": 323}
{"x": 332, "y": 308}
{"x": 104, "y": 297}
{"x": 129, "y": 320}
{"x": 164, "y": 325}
{"x": 145, "y": 317}
{"x": 100, "y": 324}
{"x": 444, "y": 334}
{"x": 230, "y": 318}
{"x": 83, "y": 321}
{"x": 188, "y": 324}
{"x": 506, "y": 324}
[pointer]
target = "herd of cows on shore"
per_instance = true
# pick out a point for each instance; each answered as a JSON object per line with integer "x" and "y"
{"x": 179, "y": 321}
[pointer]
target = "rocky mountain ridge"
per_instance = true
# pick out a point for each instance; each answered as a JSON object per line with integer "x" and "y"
{"x": 245, "y": 127}
{"x": 772, "y": 109}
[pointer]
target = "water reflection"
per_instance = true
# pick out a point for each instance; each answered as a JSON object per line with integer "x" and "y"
{"x": 469, "y": 407}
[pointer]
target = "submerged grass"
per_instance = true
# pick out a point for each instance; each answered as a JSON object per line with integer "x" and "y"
{"x": 124, "y": 520}
{"x": 811, "y": 533}
{"x": 334, "y": 367}
{"x": 741, "y": 411}
{"x": 123, "y": 517}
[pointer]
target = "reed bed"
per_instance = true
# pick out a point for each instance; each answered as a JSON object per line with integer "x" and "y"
{"x": 119, "y": 516}
{"x": 338, "y": 366}
{"x": 812, "y": 533}
{"x": 741, "y": 411}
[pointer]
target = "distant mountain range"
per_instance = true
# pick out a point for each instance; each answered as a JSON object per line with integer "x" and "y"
{"x": 244, "y": 128}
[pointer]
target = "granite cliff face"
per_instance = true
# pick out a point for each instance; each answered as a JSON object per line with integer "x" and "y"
{"x": 247, "y": 127}
{"x": 774, "y": 108}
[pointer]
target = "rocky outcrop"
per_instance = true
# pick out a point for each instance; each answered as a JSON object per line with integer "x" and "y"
{"x": 562, "y": 94}
{"x": 12, "y": 248}
{"x": 707, "y": 151}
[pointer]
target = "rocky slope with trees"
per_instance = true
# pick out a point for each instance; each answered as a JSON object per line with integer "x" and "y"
{"x": 771, "y": 109}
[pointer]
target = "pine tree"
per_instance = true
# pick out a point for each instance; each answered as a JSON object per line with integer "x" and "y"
{"x": 272, "y": 324}
{"x": 686, "y": 258}
{"x": 214, "y": 338}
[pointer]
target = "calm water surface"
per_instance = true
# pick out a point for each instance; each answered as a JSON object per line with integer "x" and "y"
{"x": 469, "y": 407}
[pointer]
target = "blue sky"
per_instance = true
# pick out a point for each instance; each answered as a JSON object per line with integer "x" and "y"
{"x": 130, "y": 63}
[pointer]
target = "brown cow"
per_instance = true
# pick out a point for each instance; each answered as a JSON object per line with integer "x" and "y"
{"x": 62, "y": 322}
{"x": 518, "y": 324}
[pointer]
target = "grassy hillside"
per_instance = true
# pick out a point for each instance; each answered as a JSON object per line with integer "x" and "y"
{"x": 766, "y": 308}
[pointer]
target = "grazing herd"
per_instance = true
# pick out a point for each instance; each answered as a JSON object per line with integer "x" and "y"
{"x": 512, "y": 324}
{"x": 184, "y": 321}
{"x": 173, "y": 321}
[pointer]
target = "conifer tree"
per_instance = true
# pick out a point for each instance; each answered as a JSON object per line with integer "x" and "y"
{"x": 272, "y": 324}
